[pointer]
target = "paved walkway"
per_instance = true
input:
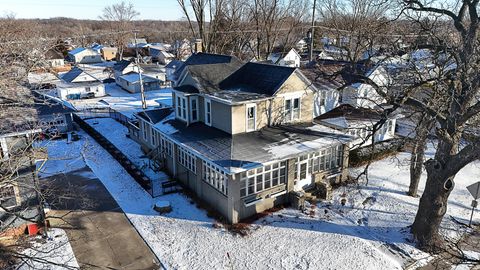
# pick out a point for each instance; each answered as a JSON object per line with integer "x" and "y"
{"x": 99, "y": 232}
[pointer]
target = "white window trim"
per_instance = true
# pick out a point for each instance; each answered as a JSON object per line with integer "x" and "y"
{"x": 254, "y": 117}
{"x": 191, "y": 111}
{"x": 179, "y": 105}
{"x": 209, "y": 101}
{"x": 292, "y": 98}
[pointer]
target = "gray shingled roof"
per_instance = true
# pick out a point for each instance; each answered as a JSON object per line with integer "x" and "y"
{"x": 208, "y": 59}
{"x": 257, "y": 78}
{"x": 121, "y": 65}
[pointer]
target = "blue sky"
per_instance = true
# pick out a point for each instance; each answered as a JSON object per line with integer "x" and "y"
{"x": 87, "y": 9}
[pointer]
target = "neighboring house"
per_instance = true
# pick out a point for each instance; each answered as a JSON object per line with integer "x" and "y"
{"x": 97, "y": 47}
{"x": 54, "y": 58}
{"x": 155, "y": 71}
{"x": 84, "y": 56}
{"x": 364, "y": 95}
{"x": 139, "y": 43}
{"x": 302, "y": 46}
{"x": 165, "y": 57}
{"x": 123, "y": 67}
{"x": 131, "y": 82}
{"x": 77, "y": 84}
{"x": 242, "y": 137}
{"x": 19, "y": 128}
{"x": 109, "y": 53}
{"x": 289, "y": 58}
{"x": 359, "y": 123}
{"x": 326, "y": 85}
{"x": 171, "y": 68}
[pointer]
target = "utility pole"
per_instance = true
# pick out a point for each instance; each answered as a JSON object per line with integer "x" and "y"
{"x": 142, "y": 91}
{"x": 312, "y": 30}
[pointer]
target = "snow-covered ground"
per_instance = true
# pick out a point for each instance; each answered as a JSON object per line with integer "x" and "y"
{"x": 53, "y": 253}
{"x": 367, "y": 233}
{"x": 116, "y": 134}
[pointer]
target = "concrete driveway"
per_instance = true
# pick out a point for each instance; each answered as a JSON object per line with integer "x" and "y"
{"x": 99, "y": 232}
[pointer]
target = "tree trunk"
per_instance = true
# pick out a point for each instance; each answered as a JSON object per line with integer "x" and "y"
{"x": 432, "y": 207}
{"x": 418, "y": 155}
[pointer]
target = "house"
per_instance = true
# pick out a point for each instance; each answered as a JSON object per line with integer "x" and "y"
{"x": 364, "y": 95}
{"x": 97, "y": 47}
{"x": 243, "y": 140}
{"x": 131, "y": 82}
{"x": 302, "y": 46}
{"x": 78, "y": 83}
{"x": 109, "y": 53}
{"x": 20, "y": 127}
{"x": 137, "y": 43}
{"x": 123, "y": 67}
{"x": 164, "y": 57}
{"x": 359, "y": 123}
{"x": 159, "y": 53}
{"x": 171, "y": 68}
{"x": 54, "y": 58}
{"x": 84, "y": 56}
{"x": 287, "y": 59}
{"x": 326, "y": 85}
{"x": 155, "y": 71}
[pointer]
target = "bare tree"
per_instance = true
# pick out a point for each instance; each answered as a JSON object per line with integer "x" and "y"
{"x": 458, "y": 84}
{"x": 120, "y": 17}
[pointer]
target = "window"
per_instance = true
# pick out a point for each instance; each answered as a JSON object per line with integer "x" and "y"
{"x": 87, "y": 89}
{"x": 322, "y": 98}
{"x": 7, "y": 196}
{"x": 215, "y": 177}
{"x": 327, "y": 159}
{"x": 193, "y": 109}
{"x": 208, "y": 112}
{"x": 254, "y": 181}
{"x": 144, "y": 128}
{"x": 251, "y": 117}
{"x": 292, "y": 109}
{"x": 153, "y": 134}
{"x": 167, "y": 146}
{"x": 187, "y": 159}
{"x": 181, "y": 108}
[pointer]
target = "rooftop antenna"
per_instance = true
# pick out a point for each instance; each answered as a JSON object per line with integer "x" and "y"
{"x": 137, "y": 59}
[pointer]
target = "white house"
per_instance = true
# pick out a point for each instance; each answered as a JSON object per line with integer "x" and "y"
{"x": 77, "y": 75}
{"x": 68, "y": 91}
{"x": 359, "y": 123}
{"x": 123, "y": 67}
{"x": 155, "y": 71}
{"x": 131, "y": 82}
{"x": 364, "y": 95}
{"x": 77, "y": 83}
{"x": 287, "y": 59}
{"x": 165, "y": 57}
{"x": 84, "y": 56}
{"x": 302, "y": 45}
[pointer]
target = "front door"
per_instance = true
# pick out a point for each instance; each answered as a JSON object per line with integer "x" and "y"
{"x": 304, "y": 178}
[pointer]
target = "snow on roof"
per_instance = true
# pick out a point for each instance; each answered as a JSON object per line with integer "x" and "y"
{"x": 133, "y": 77}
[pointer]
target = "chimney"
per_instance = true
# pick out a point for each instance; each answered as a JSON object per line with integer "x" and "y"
{"x": 198, "y": 45}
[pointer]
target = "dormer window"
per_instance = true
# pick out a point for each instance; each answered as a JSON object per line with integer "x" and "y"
{"x": 292, "y": 109}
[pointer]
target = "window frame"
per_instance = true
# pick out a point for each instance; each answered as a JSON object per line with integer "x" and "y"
{"x": 248, "y": 107}
{"x": 181, "y": 107}
{"x": 194, "y": 99}
{"x": 291, "y": 110}
{"x": 208, "y": 112}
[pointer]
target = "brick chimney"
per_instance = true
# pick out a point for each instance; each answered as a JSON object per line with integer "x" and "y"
{"x": 197, "y": 47}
